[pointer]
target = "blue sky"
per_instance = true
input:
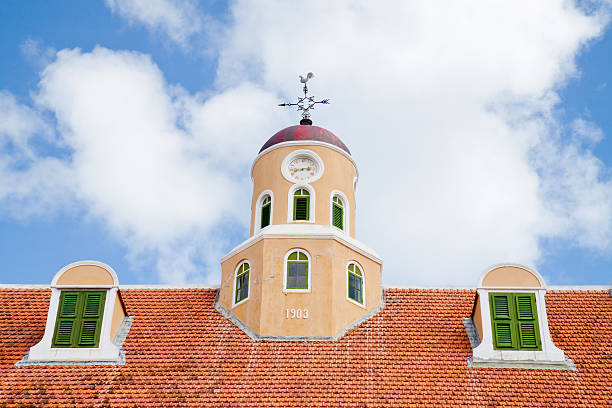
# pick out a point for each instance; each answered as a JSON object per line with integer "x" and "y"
{"x": 481, "y": 133}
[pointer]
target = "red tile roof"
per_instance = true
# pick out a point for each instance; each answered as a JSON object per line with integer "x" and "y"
{"x": 181, "y": 352}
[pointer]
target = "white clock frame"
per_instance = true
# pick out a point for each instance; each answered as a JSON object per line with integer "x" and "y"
{"x": 309, "y": 154}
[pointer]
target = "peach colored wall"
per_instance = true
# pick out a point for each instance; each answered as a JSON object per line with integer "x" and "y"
{"x": 477, "y": 317}
{"x": 248, "y": 311}
{"x": 86, "y": 275}
{"x": 510, "y": 276}
{"x": 329, "y": 311}
{"x": 339, "y": 174}
{"x": 118, "y": 315}
{"x": 372, "y": 284}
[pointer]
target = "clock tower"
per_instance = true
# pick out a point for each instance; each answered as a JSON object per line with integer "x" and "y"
{"x": 301, "y": 274}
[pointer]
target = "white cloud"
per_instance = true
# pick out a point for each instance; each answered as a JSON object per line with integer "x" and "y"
{"x": 449, "y": 111}
{"x": 179, "y": 20}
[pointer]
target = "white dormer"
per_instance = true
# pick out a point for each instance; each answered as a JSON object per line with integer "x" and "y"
{"x": 510, "y": 318}
{"x": 85, "y": 314}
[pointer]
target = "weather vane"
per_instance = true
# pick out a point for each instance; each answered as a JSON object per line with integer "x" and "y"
{"x": 306, "y": 103}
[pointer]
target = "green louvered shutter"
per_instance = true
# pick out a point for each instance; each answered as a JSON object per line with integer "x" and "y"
{"x": 93, "y": 307}
{"x": 514, "y": 318}
{"x": 527, "y": 321}
{"x": 504, "y": 333}
{"x": 66, "y": 318}
{"x": 337, "y": 215}
{"x": 301, "y": 208}
{"x": 79, "y": 319}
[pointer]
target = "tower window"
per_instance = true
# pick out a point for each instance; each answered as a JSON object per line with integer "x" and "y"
{"x": 297, "y": 270}
{"x": 242, "y": 282}
{"x": 337, "y": 212}
{"x": 355, "y": 283}
{"x": 79, "y": 319}
{"x": 266, "y": 210}
{"x": 514, "y": 318}
{"x": 301, "y": 205}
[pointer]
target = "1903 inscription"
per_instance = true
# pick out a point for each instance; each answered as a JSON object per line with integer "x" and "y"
{"x": 296, "y": 313}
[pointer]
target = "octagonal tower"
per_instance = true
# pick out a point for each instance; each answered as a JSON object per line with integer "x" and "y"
{"x": 301, "y": 273}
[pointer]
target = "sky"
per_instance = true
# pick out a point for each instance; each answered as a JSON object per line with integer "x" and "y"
{"x": 481, "y": 130}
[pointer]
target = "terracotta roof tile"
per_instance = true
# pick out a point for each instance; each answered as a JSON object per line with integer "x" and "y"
{"x": 181, "y": 352}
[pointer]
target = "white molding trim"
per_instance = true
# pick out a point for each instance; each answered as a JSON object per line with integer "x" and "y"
{"x": 81, "y": 263}
{"x": 346, "y": 211}
{"x": 106, "y": 350}
{"x": 363, "y": 284}
{"x": 311, "y": 201}
{"x": 305, "y": 143}
{"x": 515, "y": 265}
{"x": 485, "y": 352}
{"x": 285, "y": 259}
{"x": 257, "y": 225}
{"x": 309, "y": 154}
{"x": 234, "y": 304}
{"x": 305, "y": 231}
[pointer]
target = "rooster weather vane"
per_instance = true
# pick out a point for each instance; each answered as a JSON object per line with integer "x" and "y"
{"x": 306, "y": 103}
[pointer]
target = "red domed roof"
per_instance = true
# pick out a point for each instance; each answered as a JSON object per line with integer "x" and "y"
{"x": 305, "y": 132}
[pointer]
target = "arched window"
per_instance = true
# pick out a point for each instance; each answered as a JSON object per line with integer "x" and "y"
{"x": 337, "y": 212}
{"x": 355, "y": 283}
{"x": 301, "y": 205}
{"x": 266, "y": 211}
{"x": 241, "y": 284}
{"x": 298, "y": 271}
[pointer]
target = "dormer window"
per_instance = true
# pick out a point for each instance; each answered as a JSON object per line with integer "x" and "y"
{"x": 86, "y": 321}
{"x": 509, "y": 325}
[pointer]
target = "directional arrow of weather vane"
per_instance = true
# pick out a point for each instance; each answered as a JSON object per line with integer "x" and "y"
{"x": 305, "y": 103}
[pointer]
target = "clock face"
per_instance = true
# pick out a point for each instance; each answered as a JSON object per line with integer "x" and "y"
{"x": 302, "y": 169}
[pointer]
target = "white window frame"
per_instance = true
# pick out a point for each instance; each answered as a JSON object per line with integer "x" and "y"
{"x": 311, "y": 209}
{"x": 258, "y": 206}
{"x": 286, "y": 258}
{"x": 345, "y": 211}
{"x": 363, "y": 284}
{"x": 234, "y": 304}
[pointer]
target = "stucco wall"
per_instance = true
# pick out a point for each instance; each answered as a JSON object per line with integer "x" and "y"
{"x": 85, "y": 275}
{"x": 510, "y": 276}
{"x": 328, "y": 309}
{"x": 339, "y": 174}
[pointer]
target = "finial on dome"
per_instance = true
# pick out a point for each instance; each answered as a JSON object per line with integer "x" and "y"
{"x": 306, "y": 103}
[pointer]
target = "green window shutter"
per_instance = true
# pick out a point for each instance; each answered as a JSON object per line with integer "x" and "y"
{"x": 89, "y": 334}
{"x": 504, "y": 331}
{"x": 79, "y": 319}
{"x": 265, "y": 215}
{"x": 337, "y": 215}
{"x": 527, "y": 321}
{"x": 301, "y": 208}
{"x": 514, "y": 321}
